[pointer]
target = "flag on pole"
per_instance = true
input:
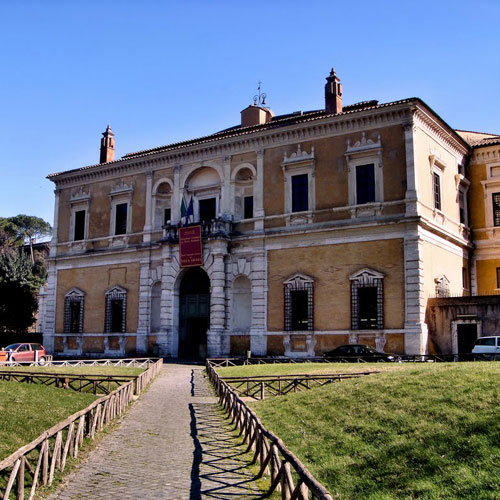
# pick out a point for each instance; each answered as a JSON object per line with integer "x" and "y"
{"x": 190, "y": 210}
{"x": 183, "y": 208}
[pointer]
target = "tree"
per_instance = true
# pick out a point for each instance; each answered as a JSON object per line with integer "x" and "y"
{"x": 27, "y": 228}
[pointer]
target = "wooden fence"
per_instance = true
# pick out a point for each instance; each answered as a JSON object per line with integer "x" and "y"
{"x": 37, "y": 462}
{"x": 287, "y": 473}
{"x": 128, "y": 362}
{"x": 258, "y": 387}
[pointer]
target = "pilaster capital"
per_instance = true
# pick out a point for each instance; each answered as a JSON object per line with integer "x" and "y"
{"x": 260, "y": 154}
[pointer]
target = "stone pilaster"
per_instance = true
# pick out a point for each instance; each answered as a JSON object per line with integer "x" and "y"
{"x": 149, "y": 213}
{"x": 411, "y": 170}
{"x": 215, "y": 334}
{"x": 258, "y": 196}
{"x": 169, "y": 315}
{"x": 55, "y": 227}
{"x": 416, "y": 334}
{"x": 144, "y": 315}
{"x": 49, "y": 320}
{"x": 225, "y": 202}
{"x": 258, "y": 340}
{"x": 175, "y": 209}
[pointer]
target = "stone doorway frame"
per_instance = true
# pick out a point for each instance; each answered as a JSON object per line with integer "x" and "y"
{"x": 454, "y": 331}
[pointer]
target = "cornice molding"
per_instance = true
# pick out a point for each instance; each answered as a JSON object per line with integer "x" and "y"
{"x": 429, "y": 123}
{"x": 489, "y": 154}
{"x": 326, "y": 127}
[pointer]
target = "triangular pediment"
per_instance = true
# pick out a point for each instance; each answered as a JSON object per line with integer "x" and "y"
{"x": 366, "y": 275}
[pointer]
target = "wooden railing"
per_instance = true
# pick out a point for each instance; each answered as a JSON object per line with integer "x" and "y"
{"x": 259, "y": 387}
{"x": 286, "y": 471}
{"x": 128, "y": 362}
{"x": 37, "y": 462}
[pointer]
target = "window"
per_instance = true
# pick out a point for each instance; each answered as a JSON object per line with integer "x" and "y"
{"x": 116, "y": 310}
{"x": 73, "y": 311}
{"x": 496, "y": 208}
{"x": 367, "y": 300}
{"x": 365, "y": 184}
{"x": 465, "y": 281}
{"x": 461, "y": 207}
{"x": 79, "y": 233}
{"x": 498, "y": 277}
{"x": 300, "y": 201}
{"x": 121, "y": 218}
{"x": 207, "y": 209}
{"x": 248, "y": 207}
{"x": 166, "y": 216}
{"x": 437, "y": 190}
{"x": 299, "y": 300}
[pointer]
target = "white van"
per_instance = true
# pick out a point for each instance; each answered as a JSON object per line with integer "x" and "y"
{"x": 487, "y": 345}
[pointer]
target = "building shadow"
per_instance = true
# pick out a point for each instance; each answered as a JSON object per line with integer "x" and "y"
{"x": 220, "y": 466}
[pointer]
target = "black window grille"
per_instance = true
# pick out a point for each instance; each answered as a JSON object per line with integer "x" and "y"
{"x": 73, "y": 314}
{"x": 299, "y": 305}
{"x": 116, "y": 312}
{"x": 365, "y": 184}
{"x": 121, "y": 218}
{"x": 248, "y": 207}
{"x": 367, "y": 304}
{"x": 496, "y": 209}
{"x": 300, "y": 193}
{"x": 498, "y": 277}
{"x": 79, "y": 233}
{"x": 437, "y": 190}
{"x": 207, "y": 209}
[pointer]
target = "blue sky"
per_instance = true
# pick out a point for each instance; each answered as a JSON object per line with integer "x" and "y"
{"x": 165, "y": 71}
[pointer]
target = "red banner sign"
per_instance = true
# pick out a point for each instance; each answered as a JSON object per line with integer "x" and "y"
{"x": 190, "y": 249}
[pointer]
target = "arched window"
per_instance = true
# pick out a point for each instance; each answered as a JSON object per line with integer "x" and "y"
{"x": 116, "y": 310}
{"x": 367, "y": 300}
{"x": 243, "y": 196}
{"x": 299, "y": 303}
{"x": 162, "y": 204}
{"x": 203, "y": 188}
{"x": 73, "y": 311}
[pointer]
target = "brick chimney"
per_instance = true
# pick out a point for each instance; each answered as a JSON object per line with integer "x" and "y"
{"x": 255, "y": 115}
{"x": 333, "y": 93}
{"x": 107, "y": 146}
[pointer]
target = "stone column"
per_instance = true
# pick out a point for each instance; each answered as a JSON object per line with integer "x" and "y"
{"x": 147, "y": 223}
{"x": 144, "y": 307}
{"x": 416, "y": 334}
{"x": 258, "y": 196}
{"x": 217, "y": 299}
{"x": 175, "y": 209}
{"x": 411, "y": 168}
{"x": 258, "y": 339}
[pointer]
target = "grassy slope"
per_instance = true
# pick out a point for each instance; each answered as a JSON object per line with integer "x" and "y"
{"x": 302, "y": 368}
{"x": 27, "y": 410}
{"x": 428, "y": 431}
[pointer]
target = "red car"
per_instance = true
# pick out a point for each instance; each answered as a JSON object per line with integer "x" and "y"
{"x": 26, "y": 353}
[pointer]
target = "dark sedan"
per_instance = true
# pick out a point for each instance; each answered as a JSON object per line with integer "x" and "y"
{"x": 355, "y": 352}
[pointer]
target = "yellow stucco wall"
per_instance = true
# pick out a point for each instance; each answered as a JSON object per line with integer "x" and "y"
{"x": 95, "y": 282}
{"x": 331, "y": 266}
{"x": 486, "y": 273}
{"x": 437, "y": 261}
{"x": 477, "y": 173}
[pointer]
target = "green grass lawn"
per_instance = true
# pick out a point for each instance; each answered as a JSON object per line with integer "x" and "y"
{"x": 27, "y": 410}
{"x": 426, "y": 431}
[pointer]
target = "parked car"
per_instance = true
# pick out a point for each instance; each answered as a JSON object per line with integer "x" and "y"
{"x": 355, "y": 351}
{"x": 488, "y": 346}
{"x": 26, "y": 352}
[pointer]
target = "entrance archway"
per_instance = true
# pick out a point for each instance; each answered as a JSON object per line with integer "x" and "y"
{"x": 194, "y": 313}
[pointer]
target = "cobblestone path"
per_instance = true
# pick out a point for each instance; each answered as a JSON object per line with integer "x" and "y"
{"x": 173, "y": 444}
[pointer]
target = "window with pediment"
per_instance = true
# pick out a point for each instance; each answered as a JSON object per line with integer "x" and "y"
{"x": 364, "y": 164}
{"x": 162, "y": 202}
{"x": 121, "y": 209}
{"x": 299, "y": 303}
{"x": 116, "y": 310}
{"x": 367, "y": 300}
{"x": 73, "y": 311}
{"x": 79, "y": 215}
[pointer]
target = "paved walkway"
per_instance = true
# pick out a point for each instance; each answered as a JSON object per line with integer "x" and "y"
{"x": 174, "y": 443}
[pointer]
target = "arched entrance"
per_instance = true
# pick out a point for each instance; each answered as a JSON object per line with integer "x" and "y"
{"x": 194, "y": 313}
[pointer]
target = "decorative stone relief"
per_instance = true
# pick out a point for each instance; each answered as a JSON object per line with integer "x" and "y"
{"x": 299, "y": 156}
